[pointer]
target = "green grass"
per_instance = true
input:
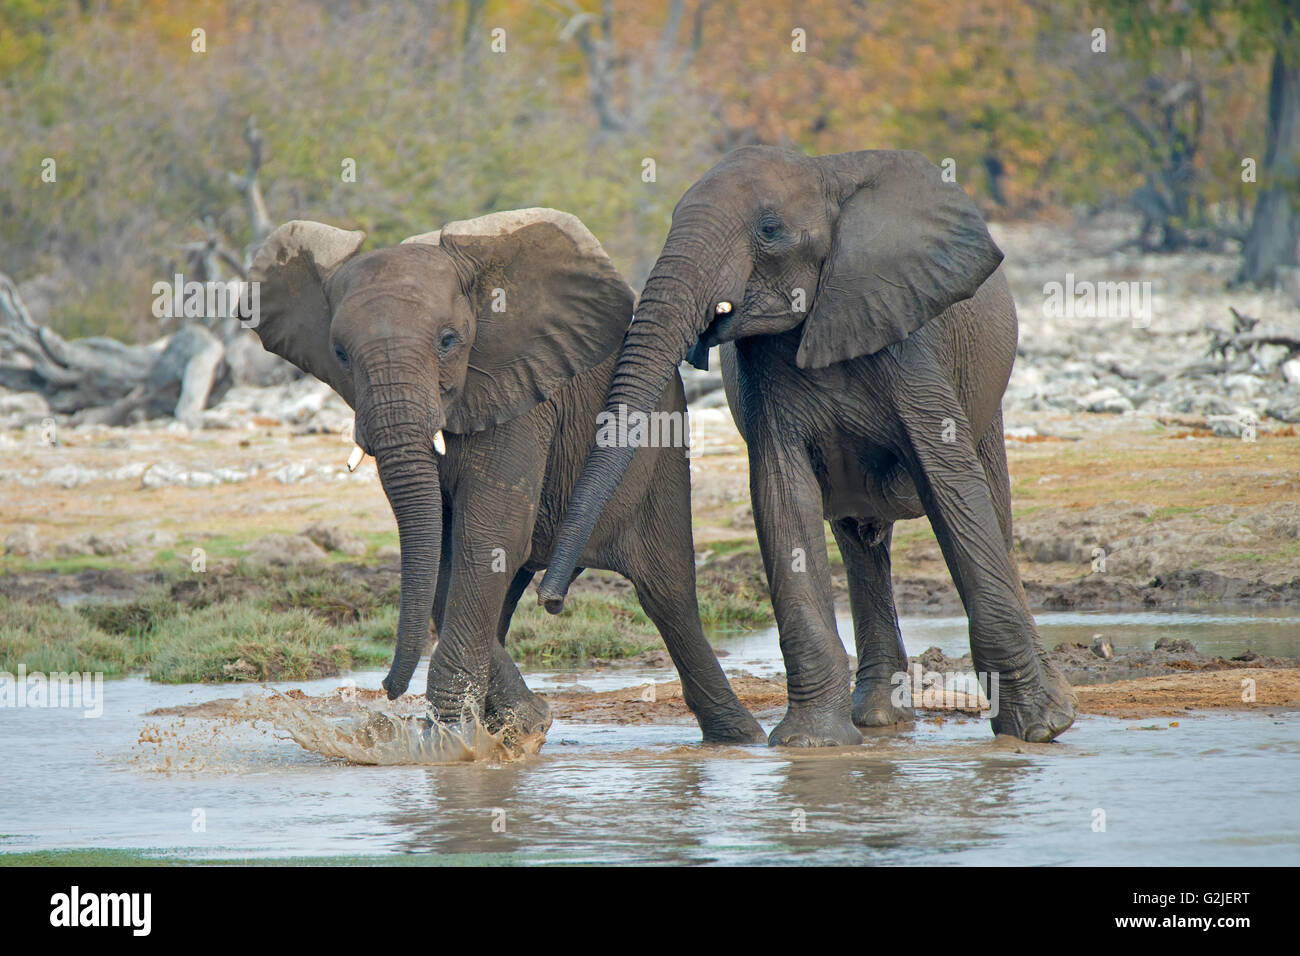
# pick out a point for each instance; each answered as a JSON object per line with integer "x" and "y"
{"x": 237, "y": 640}
{"x": 48, "y": 638}
{"x": 589, "y": 627}
{"x": 242, "y": 641}
{"x": 239, "y": 623}
{"x": 216, "y": 548}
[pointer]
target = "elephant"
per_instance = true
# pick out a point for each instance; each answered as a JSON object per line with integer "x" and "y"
{"x": 476, "y": 359}
{"x": 867, "y": 335}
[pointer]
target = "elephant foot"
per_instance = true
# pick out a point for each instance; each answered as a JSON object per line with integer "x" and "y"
{"x": 874, "y": 705}
{"x": 519, "y": 715}
{"x": 735, "y": 726}
{"x": 722, "y": 717}
{"x": 453, "y": 711}
{"x": 815, "y": 727}
{"x": 1035, "y": 704}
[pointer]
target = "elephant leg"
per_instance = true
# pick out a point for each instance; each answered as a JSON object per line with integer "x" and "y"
{"x": 792, "y": 537}
{"x": 444, "y": 575}
{"x": 992, "y": 452}
{"x": 663, "y": 573}
{"x": 518, "y": 585}
{"x": 865, "y": 550}
{"x": 509, "y": 705}
{"x": 461, "y": 668}
{"x": 1034, "y": 700}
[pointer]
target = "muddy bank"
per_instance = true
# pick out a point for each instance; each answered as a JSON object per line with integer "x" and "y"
{"x": 1173, "y": 695}
{"x": 1085, "y": 665}
{"x": 320, "y": 724}
{"x": 1171, "y": 679}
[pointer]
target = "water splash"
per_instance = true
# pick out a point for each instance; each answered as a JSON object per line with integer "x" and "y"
{"x": 369, "y": 736}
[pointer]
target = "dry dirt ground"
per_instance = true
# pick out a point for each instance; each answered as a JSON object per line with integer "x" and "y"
{"x": 1116, "y": 516}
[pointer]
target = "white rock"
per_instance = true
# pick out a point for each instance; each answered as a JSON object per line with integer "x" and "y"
{"x": 74, "y": 547}
{"x": 1268, "y": 357}
{"x": 1291, "y": 371}
{"x": 23, "y": 542}
{"x": 69, "y": 476}
{"x": 284, "y": 549}
{"x": 161, "y": 475}
{"x": 24, "y": 407}
{"x": 334, "y": 537}
{"x": 1105, "y": 400}
{"x": 288, "y": 474}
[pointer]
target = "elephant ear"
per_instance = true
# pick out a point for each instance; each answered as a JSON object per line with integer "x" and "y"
{"x": 906, "y": 246}
{"x": 294, "y": 316}
{"x": 549, "y": 305}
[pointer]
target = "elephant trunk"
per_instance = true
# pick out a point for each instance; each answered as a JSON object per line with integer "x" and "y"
{"x": 409, "y": 474}
{"x": 671, "y": 315}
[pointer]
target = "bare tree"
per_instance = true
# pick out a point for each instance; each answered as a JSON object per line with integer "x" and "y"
{"x": 102, "y": 380}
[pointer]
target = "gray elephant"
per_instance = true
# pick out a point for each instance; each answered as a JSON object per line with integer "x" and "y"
{"x": 477, "y": 360}
{"x": 869, "y": 338}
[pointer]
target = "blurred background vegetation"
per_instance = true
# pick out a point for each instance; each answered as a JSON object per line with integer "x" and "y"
{"x": 146, "y": 132}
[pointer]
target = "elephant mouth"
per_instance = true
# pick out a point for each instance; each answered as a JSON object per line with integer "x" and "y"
{"x": 720, "y": 329}
{"x": 715, "y": 333}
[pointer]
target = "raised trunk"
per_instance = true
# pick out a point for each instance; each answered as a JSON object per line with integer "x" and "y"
{"x": 668, "y": 320}
{"x": 409, "y": 474}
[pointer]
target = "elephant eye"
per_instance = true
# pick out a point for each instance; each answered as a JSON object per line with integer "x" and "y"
{"x": 448, "y": 341}
{"x": 769, "y": 227}
{"x": 342, "y": 356}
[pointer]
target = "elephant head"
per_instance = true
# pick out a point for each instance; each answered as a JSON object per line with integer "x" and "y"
{"x": 458, "y": 330}
{"x": 860, "y": 249}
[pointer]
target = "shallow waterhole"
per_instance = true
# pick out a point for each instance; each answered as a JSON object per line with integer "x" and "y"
{"x": 1216, "y": 787}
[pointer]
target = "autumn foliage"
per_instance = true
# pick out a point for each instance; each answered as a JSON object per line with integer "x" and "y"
{"x": 607, "y": 109}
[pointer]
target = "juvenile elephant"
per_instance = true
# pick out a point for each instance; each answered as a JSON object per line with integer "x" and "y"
{"x": 869, "y": 338}
{"x": 477, "y": 360}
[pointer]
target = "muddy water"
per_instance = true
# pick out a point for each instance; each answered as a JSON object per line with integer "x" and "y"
{"x": 1215, "y": 788}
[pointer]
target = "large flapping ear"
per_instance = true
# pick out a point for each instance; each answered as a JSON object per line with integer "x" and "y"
{"x": 906, "y": 246}
{"x": 549, "y": 304}
{"x": 294, "y": 317}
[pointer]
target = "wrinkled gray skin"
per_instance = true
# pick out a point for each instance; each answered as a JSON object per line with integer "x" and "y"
{"x": 410, "y": 338}
{"x": 865, "y": 356}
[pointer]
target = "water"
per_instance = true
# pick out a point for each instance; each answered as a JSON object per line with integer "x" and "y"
{"x": 1268, "y": 633}
{"x": 1218, "y": 788}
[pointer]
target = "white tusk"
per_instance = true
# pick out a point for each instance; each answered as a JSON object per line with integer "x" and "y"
{"x": 439, "y": 443}
{"x": 722, "y": 308}
{"x": 354, "y": 459}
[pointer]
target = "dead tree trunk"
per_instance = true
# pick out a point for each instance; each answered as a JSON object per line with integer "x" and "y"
{"x": 105, "y": 381}
{"x": 1275, "y": 228}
